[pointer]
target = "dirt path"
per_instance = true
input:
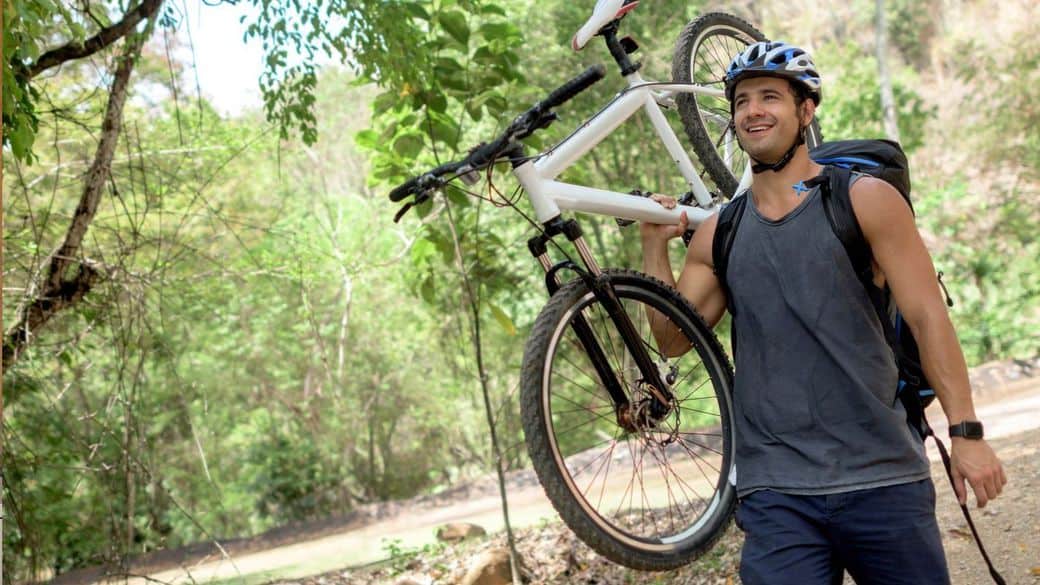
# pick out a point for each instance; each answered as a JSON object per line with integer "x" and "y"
{"x": 1012, "y": 523}
{"x": 1009, "y": 526}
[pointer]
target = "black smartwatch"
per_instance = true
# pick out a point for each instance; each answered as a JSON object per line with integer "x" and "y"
{"x": 968, "y": 429}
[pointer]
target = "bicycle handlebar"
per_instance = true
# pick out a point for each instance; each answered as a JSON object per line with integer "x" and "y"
{"x": 575, "y": 86}
{"x": 522, "y": 126}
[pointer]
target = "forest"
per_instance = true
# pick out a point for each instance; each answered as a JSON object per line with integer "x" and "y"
{"x": 213, "y": 326}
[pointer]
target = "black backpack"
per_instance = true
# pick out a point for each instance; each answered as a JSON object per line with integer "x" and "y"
{"x": 885, "y": 160}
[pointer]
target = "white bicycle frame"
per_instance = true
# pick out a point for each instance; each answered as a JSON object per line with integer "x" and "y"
{"x": 549, "y": 196}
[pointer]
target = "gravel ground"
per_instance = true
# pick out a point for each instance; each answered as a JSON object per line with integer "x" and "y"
{"x": 1010, "y": 528}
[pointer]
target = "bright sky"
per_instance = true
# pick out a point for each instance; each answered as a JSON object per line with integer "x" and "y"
{"x": 227, "y": 68}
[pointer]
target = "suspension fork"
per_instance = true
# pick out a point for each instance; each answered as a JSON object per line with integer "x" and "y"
{"x": 605, "y": 294}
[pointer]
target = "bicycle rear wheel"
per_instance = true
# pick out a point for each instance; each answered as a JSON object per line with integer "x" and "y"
{"x": 702, "y": 55}
{"x": 654, "y": 494}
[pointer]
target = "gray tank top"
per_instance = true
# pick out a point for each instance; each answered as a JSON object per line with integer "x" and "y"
{"x": 815, "y": 387}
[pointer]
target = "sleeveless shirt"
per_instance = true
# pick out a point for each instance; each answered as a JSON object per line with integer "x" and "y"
{"x": 815, "y": 382}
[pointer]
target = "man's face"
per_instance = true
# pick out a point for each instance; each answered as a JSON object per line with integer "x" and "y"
{"x": 766, "y": 117}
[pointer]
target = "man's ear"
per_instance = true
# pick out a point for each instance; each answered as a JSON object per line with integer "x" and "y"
{"x": 808, "y": 112}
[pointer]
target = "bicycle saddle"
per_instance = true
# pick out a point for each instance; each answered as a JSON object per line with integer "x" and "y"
{"x": 604, "y": 12}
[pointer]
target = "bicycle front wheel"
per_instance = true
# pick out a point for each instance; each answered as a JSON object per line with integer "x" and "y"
{"x": 653, "y": 492}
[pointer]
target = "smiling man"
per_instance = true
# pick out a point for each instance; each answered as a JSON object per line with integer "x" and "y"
{"x": 830, "y": 476}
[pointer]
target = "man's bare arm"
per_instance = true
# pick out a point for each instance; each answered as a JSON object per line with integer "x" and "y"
{"x": 696, "y": 282}
{"x": 889, "y": 228}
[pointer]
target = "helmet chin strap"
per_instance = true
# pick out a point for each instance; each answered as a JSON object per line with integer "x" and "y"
{"x": 761, "y": 167}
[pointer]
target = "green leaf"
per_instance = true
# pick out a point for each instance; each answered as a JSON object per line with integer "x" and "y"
{"x": 417, "y": 11}
{"x": 443, "y": 129}
{"x": 367, "y": 139}
{"x": 503, "y": 319}
{"x": 474, "y": 110}
{"x": 427, "y": 290}
{"x": 500, "y": 30}
{"x": 435, "y": 100}
{"x": 454, "y": 22}
{"x": 409, "y": 145}
{"x": 493, "y": 9}
{"x": 385, "y": 101}
{"x": 456, "y": 196}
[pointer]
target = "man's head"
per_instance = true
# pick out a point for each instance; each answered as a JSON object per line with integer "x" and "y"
{"x": 773, "y": 90}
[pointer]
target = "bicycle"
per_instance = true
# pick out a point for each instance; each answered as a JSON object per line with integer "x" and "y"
{"x": 600, "y": 396}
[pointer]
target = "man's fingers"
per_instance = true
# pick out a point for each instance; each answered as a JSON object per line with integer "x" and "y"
{"x": 958, "y": 487}
{"x": 981, "y": 496}
{"x": 991, "y": 487}
{"x": 665, "y": 201}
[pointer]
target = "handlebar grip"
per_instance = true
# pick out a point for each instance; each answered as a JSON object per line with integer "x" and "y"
{"x": 402, "y": 191}
{"x": 575, "y": 86}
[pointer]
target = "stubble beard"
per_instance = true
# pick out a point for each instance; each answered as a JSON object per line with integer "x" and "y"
{"x": 768, "y": 152}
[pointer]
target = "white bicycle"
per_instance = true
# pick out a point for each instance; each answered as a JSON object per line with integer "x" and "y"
{"x": 633, "y": 446}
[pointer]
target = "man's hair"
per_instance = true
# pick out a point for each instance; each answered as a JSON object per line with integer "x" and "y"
{"x": 800, "y": 91}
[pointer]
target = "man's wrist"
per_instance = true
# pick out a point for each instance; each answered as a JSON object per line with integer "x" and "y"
{"x": 655, "y": 245}
{"x": 967, "y": 429}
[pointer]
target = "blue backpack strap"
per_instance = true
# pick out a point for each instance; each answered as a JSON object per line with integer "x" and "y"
{"x": 722, "y": 242}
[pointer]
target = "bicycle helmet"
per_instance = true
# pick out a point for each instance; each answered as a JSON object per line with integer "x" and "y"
{"x": 774, "y": 59}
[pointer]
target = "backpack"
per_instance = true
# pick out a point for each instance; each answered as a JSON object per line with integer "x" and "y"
{"x": 885, "y": 160}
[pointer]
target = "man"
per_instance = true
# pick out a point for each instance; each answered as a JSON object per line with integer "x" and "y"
{"x": 830, "y": 477}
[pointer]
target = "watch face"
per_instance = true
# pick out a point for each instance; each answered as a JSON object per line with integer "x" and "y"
{"x": 973, "y": 430}
{"x": 967, "y": 429}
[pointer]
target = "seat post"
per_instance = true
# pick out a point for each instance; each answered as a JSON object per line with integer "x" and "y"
{"x": 617, "y": 50}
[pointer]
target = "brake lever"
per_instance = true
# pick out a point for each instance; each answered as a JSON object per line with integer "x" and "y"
{"x": 419, "y": 199}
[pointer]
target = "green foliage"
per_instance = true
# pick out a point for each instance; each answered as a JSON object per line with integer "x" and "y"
{"x": 28, "y": 25}
{"x": 989, "y": 256}
{"x": 409, "y": 47}
{"x": 1007, "y": 101}
{"x": 851, "y": 106}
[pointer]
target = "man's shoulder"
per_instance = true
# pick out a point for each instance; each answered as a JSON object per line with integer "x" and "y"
{"x": 875, "y": 199}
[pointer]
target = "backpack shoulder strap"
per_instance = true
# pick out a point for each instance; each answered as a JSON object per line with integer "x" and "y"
{"x": 835, "y": 183}
{"x": 722, "y": 243}
{"x": 837, "y": 204}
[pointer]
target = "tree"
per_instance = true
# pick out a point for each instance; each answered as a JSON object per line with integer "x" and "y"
{"x": 888, "y": 104}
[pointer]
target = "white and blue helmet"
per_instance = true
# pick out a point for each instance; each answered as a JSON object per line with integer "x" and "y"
{"x": 774, "y": 59}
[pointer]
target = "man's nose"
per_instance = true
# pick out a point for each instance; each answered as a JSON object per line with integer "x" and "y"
{"x": 754, "y": 108}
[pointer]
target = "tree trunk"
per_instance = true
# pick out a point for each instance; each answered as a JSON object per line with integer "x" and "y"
{"x": 888, "y": 102}
{"x": 472, "y": 299}
{"x": 65, "y": 283}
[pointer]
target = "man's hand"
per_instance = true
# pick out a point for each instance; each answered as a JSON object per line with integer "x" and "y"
{"x": 975, "y": 461}
{"x": 656, "y": 232}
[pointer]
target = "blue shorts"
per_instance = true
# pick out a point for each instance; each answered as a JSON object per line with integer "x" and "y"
{"x": 885, "y": 535}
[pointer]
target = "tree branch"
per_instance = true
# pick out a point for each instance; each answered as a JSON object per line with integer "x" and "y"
{"x": 60, "y": 291}
{"x": 105, "y": 37}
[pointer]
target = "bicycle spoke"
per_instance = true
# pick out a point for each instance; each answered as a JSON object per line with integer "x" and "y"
{"x": 698, "y": 456}
{"x": 606, "y": 474}
{"x": 669, "y": 495}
